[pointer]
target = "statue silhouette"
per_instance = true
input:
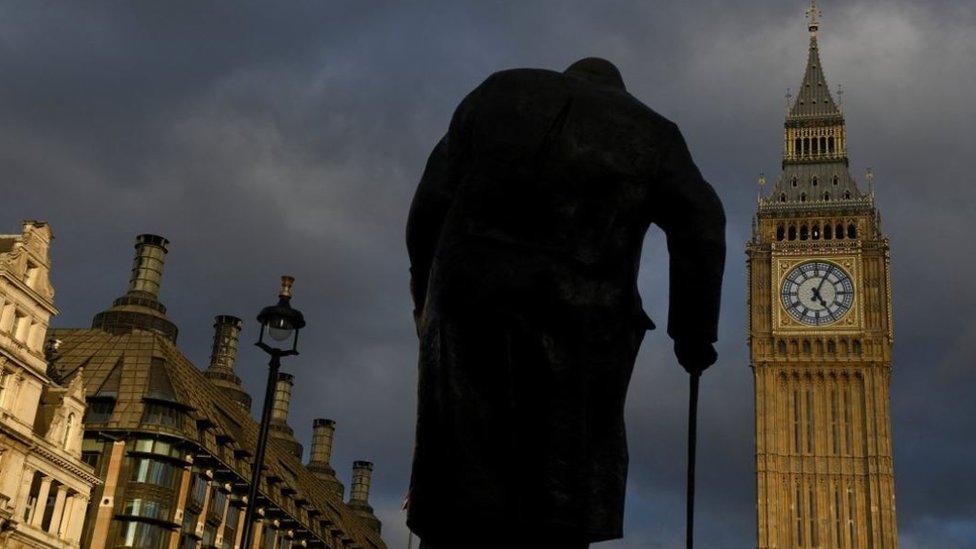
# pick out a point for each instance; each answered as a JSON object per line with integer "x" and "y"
{"x": 525, "y": 238}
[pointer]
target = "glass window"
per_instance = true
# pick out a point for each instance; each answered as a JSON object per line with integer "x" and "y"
{"x": 152, "y": 471}
{"x": 147, "y": 508}
{"x": 190, "y": 520}
{"x": 99, "y": 410}
{"x": 217, "y": 502}
{"x": 157, "y": 446}
{"x": 268, "y": 538}
{"x": 164, "y": 414}
{"x": 142, "y": 535}
{"x": 209, "y": 534}
{"x": 199, "y": 489}
{"x": 230, "y": 528}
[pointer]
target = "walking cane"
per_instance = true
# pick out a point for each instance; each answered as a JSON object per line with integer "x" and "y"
{"x": 692, "y": 428}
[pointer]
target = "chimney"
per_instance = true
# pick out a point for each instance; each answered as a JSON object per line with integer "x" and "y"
{"x": 323, "y": 433}
{"x": 279, "y": 428}
{"x": 362, "y": 474}
{"x": 282, "y": 398}
{"x": 221, "y": 373}
{"x": 147, "y": 267}
{"x": 139, "y": 308}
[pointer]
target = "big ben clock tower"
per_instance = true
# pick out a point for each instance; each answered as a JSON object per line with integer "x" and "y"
{"x": 820, "y": 339}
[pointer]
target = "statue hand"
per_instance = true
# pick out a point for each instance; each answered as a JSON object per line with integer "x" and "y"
{"x": 695, "y": 356}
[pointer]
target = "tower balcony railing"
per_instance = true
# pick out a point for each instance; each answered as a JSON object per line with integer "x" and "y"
{"x": 819, "y": 155}
{"x": 771, "y": 204}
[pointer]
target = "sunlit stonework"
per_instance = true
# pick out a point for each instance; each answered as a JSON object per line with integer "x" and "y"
{"x": 820, "y": 340}
{"x": 44, "y": 485}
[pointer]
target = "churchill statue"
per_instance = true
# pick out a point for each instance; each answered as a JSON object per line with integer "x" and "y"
{"x": 525, "y": 238}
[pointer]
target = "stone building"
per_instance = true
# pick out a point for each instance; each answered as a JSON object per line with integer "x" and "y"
{"x": 174, "y": 445}
{"x": 44, "y": 485}
{"x": 820, "y": 338}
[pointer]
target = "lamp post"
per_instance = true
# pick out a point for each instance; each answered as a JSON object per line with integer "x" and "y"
{"x": 281, "y": 323}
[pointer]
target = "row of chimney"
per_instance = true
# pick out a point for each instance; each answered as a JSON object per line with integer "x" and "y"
{"x": 140, "y": 308}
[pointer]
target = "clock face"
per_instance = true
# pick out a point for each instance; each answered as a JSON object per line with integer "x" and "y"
{"x": 817, "y": 293}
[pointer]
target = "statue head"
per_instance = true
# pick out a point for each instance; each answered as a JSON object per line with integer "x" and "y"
{"x": 598, "y": 71}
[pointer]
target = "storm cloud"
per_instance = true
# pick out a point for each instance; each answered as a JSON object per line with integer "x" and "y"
{"x": 287, "y": 138}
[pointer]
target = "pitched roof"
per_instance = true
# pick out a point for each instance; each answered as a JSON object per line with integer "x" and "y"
{"x": 141, "y": 367}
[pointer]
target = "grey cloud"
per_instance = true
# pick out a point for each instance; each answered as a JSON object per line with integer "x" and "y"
{"x": 264, "y": 139}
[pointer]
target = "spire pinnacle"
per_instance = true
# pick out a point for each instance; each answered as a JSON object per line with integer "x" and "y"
{"x": 813, "y": 14}
{"x": 813, "y": 99}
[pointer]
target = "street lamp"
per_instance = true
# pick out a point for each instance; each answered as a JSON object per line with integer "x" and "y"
{"x": 281, "y": 323}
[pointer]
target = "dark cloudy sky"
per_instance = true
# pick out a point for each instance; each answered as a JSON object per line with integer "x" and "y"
{"x": 287, "y": 137}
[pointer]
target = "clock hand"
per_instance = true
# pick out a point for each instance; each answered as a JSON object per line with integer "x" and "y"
{"x": 824, "y": 279}
{"x": 816, "y": 295}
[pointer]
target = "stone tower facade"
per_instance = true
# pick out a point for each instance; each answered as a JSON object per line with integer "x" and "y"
{"x": 820, "y": 338}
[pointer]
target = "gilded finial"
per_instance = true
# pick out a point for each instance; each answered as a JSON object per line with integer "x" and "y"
{"x": 762, "y": 179}
{"x": 813, "y": 14}
{"x": 286, "y": 284}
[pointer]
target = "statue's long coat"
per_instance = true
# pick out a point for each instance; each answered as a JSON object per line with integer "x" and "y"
{"x": 525, "y": 237}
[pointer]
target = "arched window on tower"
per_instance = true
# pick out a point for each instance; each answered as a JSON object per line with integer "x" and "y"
{"x": 823, "y": 145}
{"x": 804, "y": 232}
{"x": 830, "y": 144}
{"x": 781, "y": 347}
{"x": 836, "y": 180}
{"x": 815, "y": 231}
{"x": 806, "y": 146}
{"x": 828, "y": 231}
{"x": 851, "y": 231}
{"x": 797, "y": 147}
{"x": 857, "y": 347}
{"x": 792, "y": 232}
{"x": 839, "y": 232}
{"x": 803, "y": 197}
{"x": 813, "y": 181}
{"x": 826, "y": 197}
{"x": 847, "y": 195}
{"x": 780, "y": 232}
{"x": 793, "y": 181}
{"x": 782, "y": 197}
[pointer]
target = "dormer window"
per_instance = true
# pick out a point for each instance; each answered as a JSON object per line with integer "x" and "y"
{"x": 793, "y": 182}
{"x": 836, "y": 180}
{"x": 813, "y": 181}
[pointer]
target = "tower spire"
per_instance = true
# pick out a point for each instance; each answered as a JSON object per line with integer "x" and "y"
{"x": 815, "y": 162}
{"x": 813, "y": 99}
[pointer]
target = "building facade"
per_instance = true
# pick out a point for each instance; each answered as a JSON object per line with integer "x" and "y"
{"x": 820, "y": 338}
{"x": 173, "y": 444}
{"x": 44, "y": 485}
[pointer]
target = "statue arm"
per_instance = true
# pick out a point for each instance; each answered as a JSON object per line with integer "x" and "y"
{"x": 427, "y": 211}
{"x": 693, "y": 219}
{"x": 435, "y": 194}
